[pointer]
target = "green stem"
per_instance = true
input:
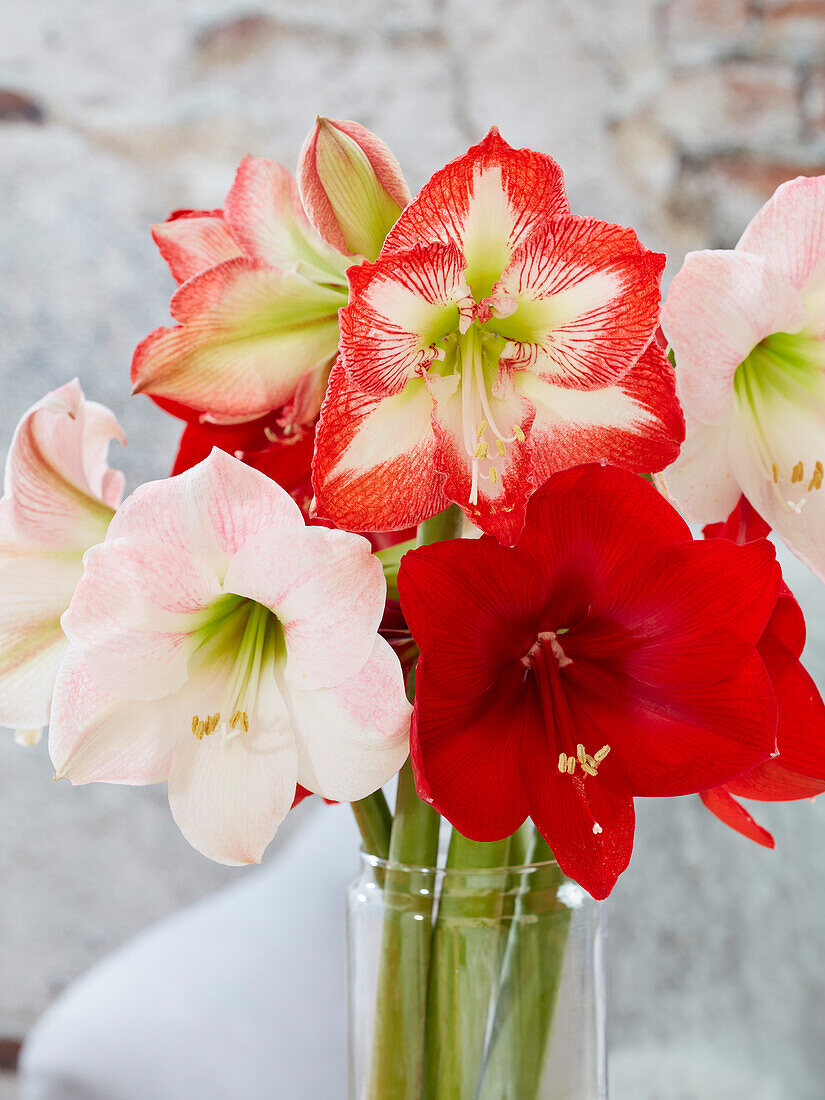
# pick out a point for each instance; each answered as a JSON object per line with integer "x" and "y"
{"x": 531, "y": 976}
{"x": 374, "y": 820}
{"x": 466, "y": 953}
{"x": 446, "y": 525}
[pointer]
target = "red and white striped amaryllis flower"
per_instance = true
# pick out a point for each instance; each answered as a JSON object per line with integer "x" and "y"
{"x": 747, "y": 326}
{"x": 223, "y": 646}
{"x": 498, "y": 338}
{"x": 798, "y": 771}
{"x": 59, "y": 497}
{"x": 257, "y": 308}
{"x": 607, "y": 655}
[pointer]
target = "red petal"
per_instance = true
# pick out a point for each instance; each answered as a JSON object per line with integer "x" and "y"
{"x": 525, "y": 188}
{"x": 744, "y": 524}
{"x": 591, "y": 293}
{"x": 799, "y": 770}
{"x": 786, "y": 625}
{"x": 689, "y": 614}
{"x": 374, "y": 466}
{"x": 465, "y": 754}
{"x": 567, "y": 808}
{"x": 472, "y": 607}
{"x": 669, "y": 741}
{"x": 727, "y": 809}
{"x": 636, "y": 424}
{"x": 398, "y": 307}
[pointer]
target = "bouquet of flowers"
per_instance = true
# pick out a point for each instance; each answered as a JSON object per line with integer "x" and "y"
{"x": 423, "y": 522}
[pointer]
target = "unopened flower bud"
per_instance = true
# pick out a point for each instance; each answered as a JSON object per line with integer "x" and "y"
{"x": 351, "y": 186}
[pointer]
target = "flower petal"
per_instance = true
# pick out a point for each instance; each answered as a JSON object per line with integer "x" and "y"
{"x": 34, "y": 593}
{"x": 465, "y": 754}
{"x": 192, "y": 240}
{"x": 265, "y": 215}
{"x": 729, "y": 811}
{"x": 352, "y": 738}
{"x": 374, "y": 465}
{"x": 248, "y": 336}
{"x": 701, "y": 481}
{"x": 673, "y": 741}
{"x": 718, "y": 308}
{"x": 98, "y": 737}
{"x": 588, "y": 822}
{"x": 789, "y": 231}
{"x": 487, "y": 201}
{"x": 327, "y": 590}
{"x": 744, "y": 524}
{"x": 210, "y": 511}
{"x": 59, "y": 488}
{"x": 133, "y": 613}
{"x": 587, "y": 297}
{"x": 399, "y": 306}
{"x": 636, "y": 423}
{"x": 229, "y": 795}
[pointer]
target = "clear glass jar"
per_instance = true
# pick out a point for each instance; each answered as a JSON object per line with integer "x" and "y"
{"x": 474, "y": 985}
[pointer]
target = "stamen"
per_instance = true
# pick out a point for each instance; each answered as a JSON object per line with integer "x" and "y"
{"x": 587, "y": 769}
{"x": 270, "y": 435}
{"x": 517, "y": 432}
{"x": 571, "y": 765}
{"x": 482, "y": 428}
{"x": 481, "y": 450}
{"x": 601, "y": 754}
{"x": 500, "y": 448}
{"x": 563, "y": 763}
{"x": 581, "y": 754}
{"x": 493, "y": 475}
{"x": 816, "y": 480}
{"x": 797, "y": 473}
{"x": 775, "y": 474}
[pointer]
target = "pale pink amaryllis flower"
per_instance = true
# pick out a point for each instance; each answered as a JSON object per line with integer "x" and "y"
{"x": 262, "y": 280}
{"x": 497, "y": 339}
{"x": 747, "y": 327}
{"x": 59, "y": 496}
{"x": 220, "y": 644}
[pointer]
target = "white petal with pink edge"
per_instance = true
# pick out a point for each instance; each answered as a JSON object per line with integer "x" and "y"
{"x": 264, "y": 212}
{"x": 59, "y": 488}
{"x": 789, "y": 232}
{"x": 248, "y": 336}
{"x": 193, "y": 240}
{"x": 353, "y": 738}
{"x": 718, "y": 308}
{"x": 209, "y": 511}
{"x": 95, "y": 736}
{"x": 228, "y": 795}
{"x": 134, "y": 613}
{"x": 327, "y": 590}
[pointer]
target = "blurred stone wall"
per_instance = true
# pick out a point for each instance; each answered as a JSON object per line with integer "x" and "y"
{"x": 677, "y": 117}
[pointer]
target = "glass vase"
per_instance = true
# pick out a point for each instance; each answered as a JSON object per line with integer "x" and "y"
{"x": 474, "y": 985}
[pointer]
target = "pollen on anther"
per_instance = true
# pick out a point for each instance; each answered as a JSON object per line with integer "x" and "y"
{"x": 601, "y": 754}
{"x": 493, "y": 475}
{"x": 481, "y": 450}
{"x": 775, "y": 469}
{"x": 482, "y": 428}
{"x": 798, "y": 473}
{"x": 587, "y": 769}
{"x": 816, "y": 480}
{"x": 500, "y": 448}
{"x": 518, "y": 433}
{"x": 571, "y": 764}
{"x": 581, "y": 754}
{"x": 563, "y": 763}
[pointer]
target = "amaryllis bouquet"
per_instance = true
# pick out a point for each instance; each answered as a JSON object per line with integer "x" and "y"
{"x": 422, "y": 523}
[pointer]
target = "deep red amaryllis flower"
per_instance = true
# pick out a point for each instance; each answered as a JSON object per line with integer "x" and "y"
{"x": 799, "y": 769}
{"x": 607, "y": 655}
{"x": 497, "y": 339}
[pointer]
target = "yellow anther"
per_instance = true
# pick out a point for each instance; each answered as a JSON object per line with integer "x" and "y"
{"x": 493, "y": 475}
{"x": 798, "y": 473}
{"x": 213, "y": 722}
{"x": 240, "y": 718}
{"x": 571, "y": 764}
{"x": 481, "y": 450}
{"x": 482, "y": 428}
{"x": 816, "y": 480}
{"x": 601, "y": 754}
{"x": 581, "y": 754}
{"x": 591, "y": 760}
{"x": 518, "y": 433}
{"x": 563, "y": 763}
{"x": 245, "y": 722}
{"x": 775, "y": 474}
{"x": 587, "y": 769}
{"x": 500, "y": 448}
{"x": 195, "y": 723}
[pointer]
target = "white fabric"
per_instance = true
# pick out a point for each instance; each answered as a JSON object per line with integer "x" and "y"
{"x": 239, "y": 997}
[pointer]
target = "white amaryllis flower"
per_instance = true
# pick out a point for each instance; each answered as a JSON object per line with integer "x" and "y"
{"x": 222, "y": 645}
{"x": 59, "y": 496}
{"x": 748, "y": 330}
